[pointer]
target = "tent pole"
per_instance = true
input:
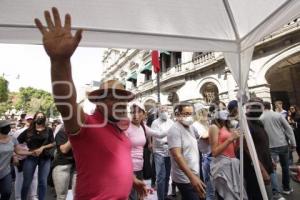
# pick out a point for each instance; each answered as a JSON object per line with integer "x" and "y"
{"x": 240, "y": 106}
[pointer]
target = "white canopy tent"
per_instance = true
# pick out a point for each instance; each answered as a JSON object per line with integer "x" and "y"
{"x": 230, "y": 26}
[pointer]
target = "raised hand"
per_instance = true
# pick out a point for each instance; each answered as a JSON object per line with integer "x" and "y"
{"x": 58, "y": 40}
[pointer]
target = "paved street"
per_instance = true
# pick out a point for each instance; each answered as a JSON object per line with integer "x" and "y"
{"x": 294, "y": 196}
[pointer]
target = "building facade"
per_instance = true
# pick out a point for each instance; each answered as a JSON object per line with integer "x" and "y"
{"x": 204, "y": 77}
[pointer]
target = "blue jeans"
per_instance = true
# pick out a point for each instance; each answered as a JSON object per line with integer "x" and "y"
{"x": 29, "y": 166}
{"x": 5, "y": 187}
{"x": 163, "y": 170}
{"x": 210, "y": 190}
{"x": 187, "y": 191}
{"x": 283, "y": 154}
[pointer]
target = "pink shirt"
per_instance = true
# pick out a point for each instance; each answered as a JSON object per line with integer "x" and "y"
{"x": 103, "y": 162}
{"x": 223, "y": 136}
{"x": 137, "y": 138}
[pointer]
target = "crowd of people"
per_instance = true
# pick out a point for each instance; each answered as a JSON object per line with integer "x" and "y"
{"x": 193, "y": 147}
{"x": 105, "y": 155}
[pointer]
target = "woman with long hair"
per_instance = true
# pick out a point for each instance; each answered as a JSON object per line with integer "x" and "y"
{"x": 40, "y": 141}
{"x": 201, "y": 123}
{"x": 294, "y": 121}
{"x": 138, "y": 133}
{"x": 225, "y": 165}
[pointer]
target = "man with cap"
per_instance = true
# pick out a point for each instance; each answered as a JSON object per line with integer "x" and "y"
{"x": 100, "y": 147}
{"x": 233, "y": 113}
{"x": 8, "y": 146}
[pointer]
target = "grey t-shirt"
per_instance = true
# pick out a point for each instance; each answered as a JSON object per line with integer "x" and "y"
{"x": 6, "y": 153}
{"x": 184, "y": 138}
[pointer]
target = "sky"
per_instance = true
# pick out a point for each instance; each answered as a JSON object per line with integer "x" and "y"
{"x": 29, "y": 65}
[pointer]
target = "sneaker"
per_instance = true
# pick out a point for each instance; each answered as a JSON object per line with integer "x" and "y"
{"x": 288, "y": 191}
{"x": 281, "y": 198}
{"x": 278, "y": 196}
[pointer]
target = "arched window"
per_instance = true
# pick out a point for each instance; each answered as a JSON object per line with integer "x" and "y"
{"x": 210, "y": 92}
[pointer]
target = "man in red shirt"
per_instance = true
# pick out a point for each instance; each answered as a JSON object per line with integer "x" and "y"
{"x": 101, "y": 150}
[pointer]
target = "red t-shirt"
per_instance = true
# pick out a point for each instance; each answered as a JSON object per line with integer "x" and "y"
{"x": 103, "y": 162}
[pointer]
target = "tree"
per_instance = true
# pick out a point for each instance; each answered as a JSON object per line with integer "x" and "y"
{"x": 31, "y": 100}
{"x": 3, "y": 89}
{"x": 5, "y": 103}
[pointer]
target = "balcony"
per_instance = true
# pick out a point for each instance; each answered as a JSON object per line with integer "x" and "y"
{"x": 290, "y": 27}
{"x": 204, "y": 58}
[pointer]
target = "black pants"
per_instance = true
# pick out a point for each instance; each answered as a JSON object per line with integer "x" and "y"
{"x": 5, "y": 187}
{"x": 187, "y": 191}
{"x": 297, "y": 137}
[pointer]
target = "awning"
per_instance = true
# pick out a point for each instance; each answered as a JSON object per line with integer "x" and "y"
{"x": 165, "y": 52}
{"x": 147, "y": 68}
{"x": 132, "y": 77}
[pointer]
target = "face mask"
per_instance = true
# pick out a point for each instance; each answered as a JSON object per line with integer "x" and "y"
{"x": 5, "y": 130}
{"x": 163, "y": 116}
{"x": 40, "y": 120}
{"x": 187, "y": 120}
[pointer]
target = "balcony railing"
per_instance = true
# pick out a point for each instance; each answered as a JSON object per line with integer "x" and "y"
{"x": 295, "y": 24}
{"x": 204, "y": 58}
{"x": 178, "y": 67}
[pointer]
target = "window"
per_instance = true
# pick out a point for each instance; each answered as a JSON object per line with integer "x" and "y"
{"x": 177, "y": 58}
{"x": 148, "y": 76}
{"x": 165, "y": 61}
{"x": 133, "y": 78}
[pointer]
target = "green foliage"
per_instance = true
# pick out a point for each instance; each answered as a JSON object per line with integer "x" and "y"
{"x": 31, "y": 100}
{"x": 3, "y": 90}
{"x": 5, "y": 101}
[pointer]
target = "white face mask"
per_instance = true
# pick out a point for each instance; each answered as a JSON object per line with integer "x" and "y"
{"x": 163, "y": 116}
{"x": 187, "y": 120}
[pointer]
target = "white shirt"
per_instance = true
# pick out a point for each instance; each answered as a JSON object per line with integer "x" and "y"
{"x": 203, "y": 146}
{"x": 184, "y": 138}
{"x": 160, "y": 145}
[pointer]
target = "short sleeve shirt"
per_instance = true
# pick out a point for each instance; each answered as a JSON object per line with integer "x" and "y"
{"x": 37, "y": 139}
{"x": 184, "y": 138}
{"x": 6, "y": 153}
{"x": 137, "y": 138}
{"x": 62, "y": 158}
{"x": 103, "y": 160}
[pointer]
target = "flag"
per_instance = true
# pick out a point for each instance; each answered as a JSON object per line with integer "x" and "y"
{"x": 155, "y": 61}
